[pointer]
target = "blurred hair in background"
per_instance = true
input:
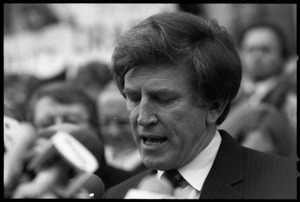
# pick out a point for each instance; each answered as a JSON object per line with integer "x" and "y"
{"x": 93, "y": 76}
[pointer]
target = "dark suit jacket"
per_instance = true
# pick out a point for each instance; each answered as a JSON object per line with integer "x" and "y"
{"x": 112, "y": 176}
{"x": 237, "y": 173}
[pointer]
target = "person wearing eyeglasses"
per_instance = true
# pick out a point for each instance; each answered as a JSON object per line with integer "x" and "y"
{"x": 120, "y": 149}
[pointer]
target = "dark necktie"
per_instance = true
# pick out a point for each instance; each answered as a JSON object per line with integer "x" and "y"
{"x": 174, "y": 177}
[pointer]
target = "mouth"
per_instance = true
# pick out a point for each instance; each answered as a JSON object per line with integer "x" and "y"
{"x": 153, "y": 141}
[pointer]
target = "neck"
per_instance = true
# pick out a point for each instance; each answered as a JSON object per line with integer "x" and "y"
{"x": 208, "y": 135}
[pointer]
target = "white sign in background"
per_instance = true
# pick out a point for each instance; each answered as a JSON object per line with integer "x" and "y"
{"x": 48, "y": 52}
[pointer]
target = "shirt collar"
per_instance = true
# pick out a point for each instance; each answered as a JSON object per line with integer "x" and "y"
{"x": 197, "y": 170}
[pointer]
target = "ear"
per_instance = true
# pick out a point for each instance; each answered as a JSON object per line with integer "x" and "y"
{"x": 215, "y": 110}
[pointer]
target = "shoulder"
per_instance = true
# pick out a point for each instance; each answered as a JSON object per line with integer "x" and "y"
{"x": 259, "y": 160}
{"x": 262, "y": 175}
{"x": 251, "y": 160}
{"x": 272, "y": 164}
{"x": 273, "y": 175}
{"x": 266, "y": 158}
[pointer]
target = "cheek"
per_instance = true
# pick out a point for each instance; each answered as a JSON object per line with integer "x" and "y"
{"x": 104, "y": 130}
{"x": 179, "y": 127}
{"x": 193, "y": 124}
{"x": 276, "y": 62}
{"x": 127, "y": 131}
{"x": 133, "y": 115}
{"x": 133, "y": 125}
{"x": 189, "y": 117}
{"x": 105, "y": 133}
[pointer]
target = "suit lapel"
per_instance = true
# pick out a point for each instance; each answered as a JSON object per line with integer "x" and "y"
{"x": 226, "y": 171}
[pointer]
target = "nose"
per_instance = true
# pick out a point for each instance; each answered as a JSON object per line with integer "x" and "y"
{"x": 257, "y": 52}
{"x": 146, "y": 114}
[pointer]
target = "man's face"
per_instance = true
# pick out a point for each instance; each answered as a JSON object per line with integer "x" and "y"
{"x": 49, "y": 112}
{"x": 114, "y": 121}
{"x": 170, "y": 129}
{"x": 261, "y": 54}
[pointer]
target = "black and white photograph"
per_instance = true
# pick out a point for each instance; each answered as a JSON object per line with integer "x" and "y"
{"x": 150, "y": 100}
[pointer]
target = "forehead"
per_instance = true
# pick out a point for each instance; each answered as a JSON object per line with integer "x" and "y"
{"x": 261, "y": 36}
{"x": 47, "y": 105}
{"x": 109, "y": 96}
{"x": 158, "y": 77}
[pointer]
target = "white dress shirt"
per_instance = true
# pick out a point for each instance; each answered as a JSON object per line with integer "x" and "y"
{"x": 197, "y": 170}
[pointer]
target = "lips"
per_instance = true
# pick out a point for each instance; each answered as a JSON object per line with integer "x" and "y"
{"x": 152, "y": 141}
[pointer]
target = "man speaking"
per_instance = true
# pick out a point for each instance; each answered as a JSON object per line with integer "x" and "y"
{"x": 179, "y": 73}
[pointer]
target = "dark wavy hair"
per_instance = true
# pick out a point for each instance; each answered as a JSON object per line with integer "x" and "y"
{"x": 204, "y": 48}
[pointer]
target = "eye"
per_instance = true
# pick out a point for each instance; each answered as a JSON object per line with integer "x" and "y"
{"x": 45, "y": 122}
{"x": 133, "y": 98}
{"x": 265, "y": 49}
{"x": 164, "y": 99}
{"x": 74, "y": 119}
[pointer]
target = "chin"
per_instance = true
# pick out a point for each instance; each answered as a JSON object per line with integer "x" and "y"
{"x": 155, "y": 165}
{"x": 151, "y": 163}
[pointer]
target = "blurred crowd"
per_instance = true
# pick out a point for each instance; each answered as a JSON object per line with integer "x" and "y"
{"x": 90, "y": 102}
{"x": 87, "y": 103}
{"x": 263, "y": 115}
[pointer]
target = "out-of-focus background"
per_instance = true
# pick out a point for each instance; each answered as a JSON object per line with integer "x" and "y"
{"x": 57, "y": 60}
{"x": 44, "y": 39}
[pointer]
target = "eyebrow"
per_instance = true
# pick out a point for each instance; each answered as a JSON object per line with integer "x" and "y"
{"x": 163, "y": 91}
{"x": 160, "y": 91}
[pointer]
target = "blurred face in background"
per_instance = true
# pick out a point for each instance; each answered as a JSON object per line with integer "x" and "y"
{"x": 261, "y": 53}
{"x": 49, "y": 112}
{"x": 114, "y": 121}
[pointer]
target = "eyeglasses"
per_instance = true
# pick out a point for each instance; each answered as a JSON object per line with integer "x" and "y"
{"x": 52, "y": 120}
